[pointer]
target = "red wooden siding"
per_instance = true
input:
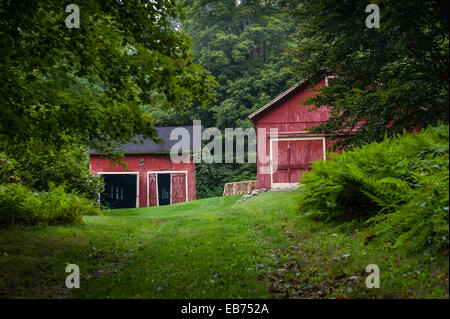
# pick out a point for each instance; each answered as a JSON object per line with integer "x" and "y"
{"x": 178, "y": 188}
{"x": 145, "y": 163}
{"x": 295, "y": 157}
{"x": 282, "y": 174}
{"x": 291, "y": 120}
{"x": 152, "y": 190}
{"x": 314, "y": 152}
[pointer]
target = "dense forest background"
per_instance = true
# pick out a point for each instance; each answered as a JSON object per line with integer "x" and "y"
{"x": 245, "y": 47}
{"x": 247, "y": 52}
{"x": 389, "y": 79}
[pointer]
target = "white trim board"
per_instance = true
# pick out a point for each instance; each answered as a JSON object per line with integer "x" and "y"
{"x": 329, "y": 77}
{"x": 164, "y": 172}
{"x": 276, "y": 139}
{"x": 122, "y": 173}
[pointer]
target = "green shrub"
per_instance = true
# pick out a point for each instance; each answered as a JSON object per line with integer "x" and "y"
{"x": 8, "y": 168}
{"x": 20, "y": 205}
{"x": 399, "y": 186}
{"x": 38, "y": 168}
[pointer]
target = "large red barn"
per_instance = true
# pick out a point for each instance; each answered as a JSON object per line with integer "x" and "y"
{"x": 296, "y": 147}
{"x": 150, "y": 178}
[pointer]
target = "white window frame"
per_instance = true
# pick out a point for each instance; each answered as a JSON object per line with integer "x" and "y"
{"x": 122, "y": 173}
{"x": 276, "y": 139}
{"x": 165, "y": 172}
{"x": 329, "y": 77}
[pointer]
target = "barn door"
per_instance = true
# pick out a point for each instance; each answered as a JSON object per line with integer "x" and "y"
{"x": 152, "y": 191}
{"x": 298, "y": 161}
{"x": 178, "y": 187}
{"x": 120, "y": 190}
{"x": 282, "y": 173}
{"x": 294, "y": 158}
{"x": 314, "y": 152}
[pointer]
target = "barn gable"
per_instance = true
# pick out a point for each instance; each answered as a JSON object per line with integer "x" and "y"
{"x": 287, "y": 111}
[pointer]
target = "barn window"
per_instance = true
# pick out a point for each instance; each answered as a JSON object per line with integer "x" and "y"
{"x": 327, "y": 78}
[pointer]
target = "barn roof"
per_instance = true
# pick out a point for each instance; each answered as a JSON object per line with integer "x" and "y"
{"x": 278, "y": 100}
{"x": 150, "y": 146}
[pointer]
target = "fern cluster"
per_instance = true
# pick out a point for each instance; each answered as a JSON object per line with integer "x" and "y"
{"x": 399, "y": 187}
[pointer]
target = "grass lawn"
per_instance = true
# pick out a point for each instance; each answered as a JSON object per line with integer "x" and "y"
{"x": 211, "y": 248}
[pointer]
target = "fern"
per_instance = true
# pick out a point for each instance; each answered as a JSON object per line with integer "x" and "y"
{"x": 398, "y": 186}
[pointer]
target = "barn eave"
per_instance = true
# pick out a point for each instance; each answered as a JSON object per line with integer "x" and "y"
{"x": 276, "y": 101}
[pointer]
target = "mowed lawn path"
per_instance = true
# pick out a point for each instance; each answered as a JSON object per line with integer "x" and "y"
{"x": 210, "y": 248}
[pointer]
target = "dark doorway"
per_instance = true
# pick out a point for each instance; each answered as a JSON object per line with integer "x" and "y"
{"x": 164, "y": 189}
{"x": 120, "y": 191}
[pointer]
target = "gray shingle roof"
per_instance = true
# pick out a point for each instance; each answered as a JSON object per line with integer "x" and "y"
{"x": 151, "y": 147}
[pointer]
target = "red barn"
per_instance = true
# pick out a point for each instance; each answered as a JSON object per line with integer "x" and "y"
{"x": 150, "y": 177}
{"x": 296, "y": 147}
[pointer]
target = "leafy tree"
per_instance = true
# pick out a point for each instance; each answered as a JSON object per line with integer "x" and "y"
{"x": 60, "y": 85}
{"x": 39, "y": 170}
{"x": 389, "y": 78}
{"x": 245, "y": 47}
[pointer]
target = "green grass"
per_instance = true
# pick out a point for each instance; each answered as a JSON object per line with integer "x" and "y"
{"x": 211, "y": 248}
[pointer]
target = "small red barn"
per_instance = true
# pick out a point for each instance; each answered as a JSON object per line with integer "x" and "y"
{"x": 150, "y": 177}
{"x": 296, "y": 147}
